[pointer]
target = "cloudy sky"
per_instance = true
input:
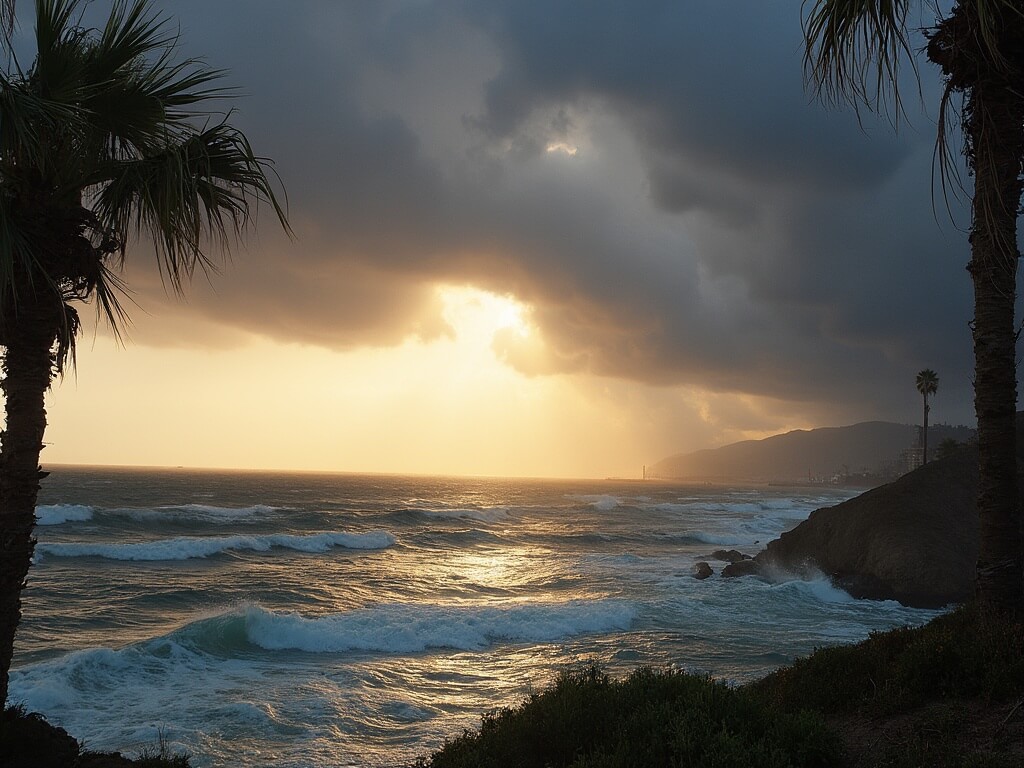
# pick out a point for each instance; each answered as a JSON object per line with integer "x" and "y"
{"x": 535, "y": 238}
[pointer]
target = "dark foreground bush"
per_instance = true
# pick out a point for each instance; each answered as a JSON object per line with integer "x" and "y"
{"x": 967, "y": 654}
{"x": 586, "y": 720}
{"x": 28, "y": 741}
{"x": 950, "y": 693}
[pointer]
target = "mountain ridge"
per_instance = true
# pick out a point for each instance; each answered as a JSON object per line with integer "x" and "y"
{"x": 867, "y": 449}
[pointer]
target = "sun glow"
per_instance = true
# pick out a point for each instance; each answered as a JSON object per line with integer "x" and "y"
{"x": 562, "y": 147}
{"x": 480, "y": 315}
{"x": 475, "y": 399}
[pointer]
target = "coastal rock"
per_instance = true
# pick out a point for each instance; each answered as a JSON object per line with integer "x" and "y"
{"x": 729, "y": 555}
{"x": 914, "y": 540}
{"x": 743, "y": 568}
{"x": 702, "y": 570}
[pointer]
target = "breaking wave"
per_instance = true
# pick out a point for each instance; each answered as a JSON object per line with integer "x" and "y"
{"x": 402, "y": 628}
{"x": 486, "y": 515}
{"x": 56, "y": 514}
{"x": 189, "y": 547}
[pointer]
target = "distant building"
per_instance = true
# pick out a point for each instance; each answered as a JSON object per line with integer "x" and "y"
{"x": 909, "y": 459}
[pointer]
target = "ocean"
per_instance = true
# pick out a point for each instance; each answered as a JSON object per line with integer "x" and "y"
{"x": 258, "y": 619}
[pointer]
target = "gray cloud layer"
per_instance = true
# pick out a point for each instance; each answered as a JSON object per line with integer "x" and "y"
{"x": 716, "y": 227}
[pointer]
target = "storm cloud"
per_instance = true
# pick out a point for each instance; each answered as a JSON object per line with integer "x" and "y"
{"x": 652, "y": 178}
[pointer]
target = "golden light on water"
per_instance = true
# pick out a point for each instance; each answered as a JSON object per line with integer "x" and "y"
{"x": 498, "y": 571}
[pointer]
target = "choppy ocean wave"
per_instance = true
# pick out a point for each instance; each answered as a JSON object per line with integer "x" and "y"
{"x": 189, "y": 547}
{"x": 308, "y": 653}
{"x": 393, "y": 628}
{"x": 207, "y": 513}
{"x": 384, "y": 629}
{"x": 412, "y": 628}
{"x": 602, "y": 502}
{"x": 57, "y": 514}
{"x": 484, "y": 515}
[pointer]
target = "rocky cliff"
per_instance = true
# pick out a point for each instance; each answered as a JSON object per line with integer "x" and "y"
{"x": 914, "y": 540}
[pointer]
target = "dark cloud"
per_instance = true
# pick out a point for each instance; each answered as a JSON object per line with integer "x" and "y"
{"x": 716, "y": 226}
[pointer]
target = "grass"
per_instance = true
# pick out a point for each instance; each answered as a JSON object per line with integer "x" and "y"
{"x": 950, "y": 693}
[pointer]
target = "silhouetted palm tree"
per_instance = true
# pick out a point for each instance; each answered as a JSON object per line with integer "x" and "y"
{"x": 99, "y": 145}
{"x": 7, "y": 17}
{"x": 854, "y": 48}
{"x": 927, "y": 384}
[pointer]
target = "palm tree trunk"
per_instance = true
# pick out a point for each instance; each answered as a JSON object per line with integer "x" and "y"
{"x": 994, "y": 118}
{"x": 29, "y": 336}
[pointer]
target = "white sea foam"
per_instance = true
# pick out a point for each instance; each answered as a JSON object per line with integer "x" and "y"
{"x": 401, "y": 628}
{"x": 719, "y": 538}
{"x": 188, "y": 547}
{"x": 816, "y": 586}
{"x": 55, "y": 514}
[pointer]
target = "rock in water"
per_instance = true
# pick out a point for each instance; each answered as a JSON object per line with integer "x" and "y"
{"x": 743, "y": 568}
{"x": 729, "y": 555}
{"x": 702, "y": 570}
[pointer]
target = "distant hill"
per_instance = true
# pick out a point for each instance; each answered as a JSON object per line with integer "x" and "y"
{"x": 865, "y": 448}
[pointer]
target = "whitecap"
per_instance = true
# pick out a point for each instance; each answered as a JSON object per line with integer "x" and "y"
{"x": 56, "y": 514}
{"x": 721, "y": 539}
{"x": 403, "y": 628}
{"x": 189, "y": 547}
{"x": 817, "y": 587}
{"x": 206, "y": 513}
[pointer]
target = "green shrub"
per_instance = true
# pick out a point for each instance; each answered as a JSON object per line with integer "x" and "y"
{"x": 585, "y": 720}
{"x": 969, "y": 653}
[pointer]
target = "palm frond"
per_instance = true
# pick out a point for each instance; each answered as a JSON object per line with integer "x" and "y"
{"x": 196, "y": 191}
{"x": 25, "y": 117}
{"x": 854, "y": 50}
{"x": 135, "y": 111}
{"x": 7, "y": 19}
{"x": 137, "y": 49}
{"x": 944, "y": 159}
{"x": 100, "y": 144}
{"x": 67, "y": 335}
{"x": 60, "y": 43}
{"x": 109, "y": 290}
{"x": 990, "y": 16}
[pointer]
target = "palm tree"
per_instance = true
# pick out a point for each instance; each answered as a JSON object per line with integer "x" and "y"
{"x": 853, "y": 53}
{"x": 7, "y": 17}
{"x": 101, "y": 144}
{"x": 927, "y": 384}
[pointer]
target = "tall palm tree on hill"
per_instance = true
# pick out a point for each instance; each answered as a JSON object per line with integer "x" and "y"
{"x": 102, "y": 143}
{"x": 853, "y": 54}
{"x": 927, "y": 384}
